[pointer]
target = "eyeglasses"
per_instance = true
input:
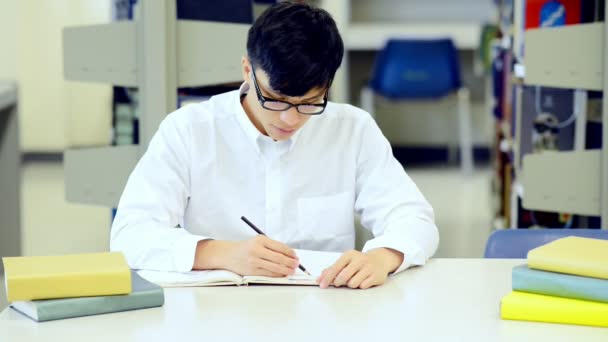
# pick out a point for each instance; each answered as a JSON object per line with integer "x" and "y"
{"x": 279, "y": 106}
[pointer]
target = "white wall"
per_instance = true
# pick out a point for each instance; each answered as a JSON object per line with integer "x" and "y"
{"x": 8, "y": 39}
{"x": 54, "y": 113}
{"x": 422, "y": 10}
{"x": 52, "y": 226}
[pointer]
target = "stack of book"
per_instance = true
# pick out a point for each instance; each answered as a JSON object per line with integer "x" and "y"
{"x": 565, "y": 281}
{"x": 47, "y": 288}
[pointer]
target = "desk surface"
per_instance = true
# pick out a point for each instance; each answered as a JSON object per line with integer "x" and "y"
{"x": 446, "y": 300}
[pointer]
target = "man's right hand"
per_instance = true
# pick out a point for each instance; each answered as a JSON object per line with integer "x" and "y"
{"x": 257, "y": 256}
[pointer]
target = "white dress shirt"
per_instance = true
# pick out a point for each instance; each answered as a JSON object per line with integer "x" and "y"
{"x": 208, "y": 165}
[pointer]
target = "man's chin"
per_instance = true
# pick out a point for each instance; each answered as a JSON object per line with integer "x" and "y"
{"x": 280, "y": 134}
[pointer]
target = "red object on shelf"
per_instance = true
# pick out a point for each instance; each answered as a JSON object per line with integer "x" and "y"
{"x": 552, "y": 13}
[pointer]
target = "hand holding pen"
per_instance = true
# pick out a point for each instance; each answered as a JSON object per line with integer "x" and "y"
{"x": 257, "y": 230}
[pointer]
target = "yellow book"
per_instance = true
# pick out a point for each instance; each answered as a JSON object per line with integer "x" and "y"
{"x": 523, "y": 306}
{"x": 572, "y": 255}
{"x": 63, "y": 276}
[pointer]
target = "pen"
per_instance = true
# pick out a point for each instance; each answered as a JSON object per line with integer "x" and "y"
{"x": 257, "y": 230}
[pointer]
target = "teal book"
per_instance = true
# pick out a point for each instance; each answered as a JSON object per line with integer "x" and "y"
{"x": 144, "y": 295}
{"x": 564, "y": 285}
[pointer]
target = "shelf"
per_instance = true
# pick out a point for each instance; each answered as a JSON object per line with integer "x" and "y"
{"x": 100, "y": 53}
{"x": 98, "y": 175}
{"x": 107, "y": 53}
{"x": 562, "y": 182}
{"x": 209, "y": 53}
{"x": 157, "y": 54}
{"x": 8, "y": 94}
{"x": 565, "y": 57}
{"x": 364, "y": 36}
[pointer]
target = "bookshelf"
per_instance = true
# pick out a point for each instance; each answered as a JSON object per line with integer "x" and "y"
{"x": 569, "y": 63}
{"x": 553, "y": 58}
{"x": 157, "y": 54}
{"x": 10, "y": 172}
{"x": 574, "y": 57}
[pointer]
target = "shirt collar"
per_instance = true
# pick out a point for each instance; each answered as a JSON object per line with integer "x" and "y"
{"x": 249, "y": 128}
{"x": 252, "y": 133}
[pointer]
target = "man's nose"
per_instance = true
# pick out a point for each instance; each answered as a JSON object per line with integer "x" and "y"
{"x": 291, "y": 116}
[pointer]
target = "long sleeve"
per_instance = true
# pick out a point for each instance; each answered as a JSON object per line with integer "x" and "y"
{"x": 390, "y": 204}
{"x": 147, "y": 224}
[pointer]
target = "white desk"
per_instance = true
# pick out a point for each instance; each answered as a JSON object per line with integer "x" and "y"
{"x": 447, "y": 300}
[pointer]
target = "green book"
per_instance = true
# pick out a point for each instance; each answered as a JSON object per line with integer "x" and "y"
{"x": 144, "y": 295}
{"x": 559, "y": 284}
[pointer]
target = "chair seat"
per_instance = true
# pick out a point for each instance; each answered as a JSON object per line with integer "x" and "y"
{"x": 416, "y": 69}
{"x": 515, "y": 243}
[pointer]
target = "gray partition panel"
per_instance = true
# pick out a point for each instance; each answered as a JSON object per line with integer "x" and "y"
{"x": 563, "y": 182}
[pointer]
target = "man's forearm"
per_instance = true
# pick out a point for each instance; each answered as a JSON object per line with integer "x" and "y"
{"x": 212, "y": 255}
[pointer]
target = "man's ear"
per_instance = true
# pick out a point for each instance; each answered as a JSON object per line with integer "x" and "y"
{"x": 246, "y": 68}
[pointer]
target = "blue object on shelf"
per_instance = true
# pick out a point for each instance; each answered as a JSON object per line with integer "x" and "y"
{"x": 552, "y": 14}
{"x": 515, "y": 243}
{"x": 416, "y": 68}
{"x": 113, "y": 215}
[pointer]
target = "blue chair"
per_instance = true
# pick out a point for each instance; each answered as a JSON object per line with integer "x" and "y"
{"x": 426, "y": 70}
{"x": 515, "y": 243}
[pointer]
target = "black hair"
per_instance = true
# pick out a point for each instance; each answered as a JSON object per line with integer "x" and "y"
{"x": 297, "y": 45}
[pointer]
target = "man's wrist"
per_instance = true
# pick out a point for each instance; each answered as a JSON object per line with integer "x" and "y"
{"x": 389, "y": 258}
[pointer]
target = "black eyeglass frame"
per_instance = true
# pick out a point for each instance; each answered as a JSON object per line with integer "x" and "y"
{"x": 263, "y": 99}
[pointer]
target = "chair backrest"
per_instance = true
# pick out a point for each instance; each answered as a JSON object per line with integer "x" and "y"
{"x": 416, "y": 69}
{"x": 515, "y": 243}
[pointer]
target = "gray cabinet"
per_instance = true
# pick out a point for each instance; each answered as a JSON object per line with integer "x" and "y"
{"x": 10, "y": 173}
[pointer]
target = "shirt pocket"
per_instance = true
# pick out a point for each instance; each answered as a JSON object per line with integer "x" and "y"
{"x": 326, "y": 217}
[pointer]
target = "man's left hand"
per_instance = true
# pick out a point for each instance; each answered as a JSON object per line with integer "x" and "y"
{"x": 361, "y": 270}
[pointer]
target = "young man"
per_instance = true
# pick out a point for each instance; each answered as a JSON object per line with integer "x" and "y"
{"x": 278, "y": 153}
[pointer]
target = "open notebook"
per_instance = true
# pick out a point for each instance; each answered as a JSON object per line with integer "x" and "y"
{"x": 314, "y": 261}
